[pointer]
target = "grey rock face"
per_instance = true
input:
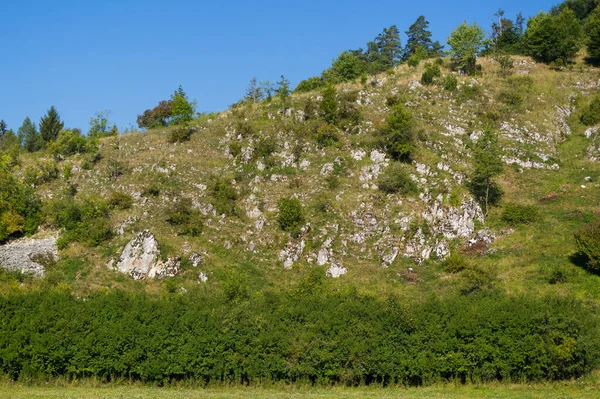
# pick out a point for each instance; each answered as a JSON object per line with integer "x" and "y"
{"x": 291, "y": 253}
{"x": 141, "y": 259}
{"x": 196, "y": 259}
{"x": 29, "y": 255}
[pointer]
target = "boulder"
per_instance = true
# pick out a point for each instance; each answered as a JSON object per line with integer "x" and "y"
{"x": 141, "y": 259}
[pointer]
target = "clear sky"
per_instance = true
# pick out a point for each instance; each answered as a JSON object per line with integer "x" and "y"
{"x": 84, "y": 56}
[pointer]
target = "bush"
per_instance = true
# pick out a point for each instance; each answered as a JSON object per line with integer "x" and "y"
{"x": 244, "y": 338}
{"x": 235, "y": 148}
{"x": 86, "y": 222}
{"x": 450, "y": 83}
{"x": 395, "y": 179}
{"x": 455, "y": 263}
{"x": 153, "y": 190}
{"x": 591, "y": 114}
{"x": 431, "y": 72}
{"x": 326, "y": 135}
{"x": 43, "y": 172}
{"x": 397, "y": 136}
{"x": 120, "y": 200}
{"x": 588, "y": 242}
{"x": 71, "y": 142}
{"x": 224, "y": 196}
{"x": 515, "y": 214}
{"x": 184, "y": 216}
{"x": 309, "y": 84}
{"x": 265, "y": 147}
{"x": 180, "y": 134}
{"x": 115, "y": 169}
{"x": 290, "y": 216}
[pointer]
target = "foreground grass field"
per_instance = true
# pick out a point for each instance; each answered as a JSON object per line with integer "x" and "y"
{"x": 586, "y": 388}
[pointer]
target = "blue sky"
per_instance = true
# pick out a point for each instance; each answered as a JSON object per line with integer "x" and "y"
{"x": 84, "y": 56}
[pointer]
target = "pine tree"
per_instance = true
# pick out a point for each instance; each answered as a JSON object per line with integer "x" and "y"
{"x": 253, "y": 92}
{"x": 418, "y": 36}
{"x": 51, "y": 125}
{"x": 29, "y": 136}
{"x": 3, "y": 128}
{"x": 389, "y": 46}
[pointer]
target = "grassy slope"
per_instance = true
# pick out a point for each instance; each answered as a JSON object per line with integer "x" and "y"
{"x": 524, "y": 261}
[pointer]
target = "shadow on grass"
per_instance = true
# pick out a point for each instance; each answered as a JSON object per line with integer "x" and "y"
{"x": 582, "y": 260}
{"x": 595, "y": 62}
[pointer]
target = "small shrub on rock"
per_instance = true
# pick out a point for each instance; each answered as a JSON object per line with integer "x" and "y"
{"x": 224, "y": 196}
{"x": 327, "y": 135}
{"x": 431, "y": 72}
{"x": 455, "y": 263}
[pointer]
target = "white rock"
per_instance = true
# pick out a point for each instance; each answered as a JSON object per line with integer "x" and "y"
{"x": 203, "y": 277}
{"x": 336, "y": 270}
{"x": 29, "y": 255}
{"x": 140, "y": 259}
{"x": 377, "y": 156}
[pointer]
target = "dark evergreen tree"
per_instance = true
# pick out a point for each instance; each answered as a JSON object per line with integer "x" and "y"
{"x": 389, "y": 46}
{"x": 283, "y": 92}
{"x": 581, "y": 8}
{"x": 30, "y": 138}
{"x": 418, "y": 36}
{"x": 329, "y": 105}
{"x": 51, "y": 125}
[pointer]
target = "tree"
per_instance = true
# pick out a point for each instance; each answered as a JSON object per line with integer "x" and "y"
{"x": 253, "y": 92}
{"x": 389, "y": 46}
{"x": 553, "y": 37}
{"x": 345, "y": 68}
{"x": 397, "y": 136}
{"x": 581, "y": 8}
{"x": 268, "y": 88}
{"x": 283, "y": 92}
{"x": 465, "y": 42}
{"x": 507, "y": 35}
{"x": 487, "y": 164}
{"x": 99, "y": 126}
{"x": 182, "y": 110}
{"x": 31, "y": 139}
{"x": 51, "y": 125}
{"x": 158, "y": 116}
{"x": 3, "y": 128}
{"x": 418, "y": 37}
{"x": 329, "y": 105}
{"x": 593, "y": 31}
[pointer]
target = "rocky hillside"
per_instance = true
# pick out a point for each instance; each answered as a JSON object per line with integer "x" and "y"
{"x": 226, "y": 182}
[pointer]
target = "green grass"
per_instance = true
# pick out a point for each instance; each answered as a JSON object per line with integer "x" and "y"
{"x": 565, "y": 390}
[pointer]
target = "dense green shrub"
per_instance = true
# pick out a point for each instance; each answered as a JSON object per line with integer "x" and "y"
{"x": 180, "y": 134}
{"x": 309, "y": 84}
{"x": 265, "y": 147}
{"x": 224, "y": 196}
{"x": 397, "y": 135}
{"x": 86, "y": 221}
{"x": 120, "y": 200}
{"x": 290, "y": 215}
{"x": 42, "y": 172}
{"x": 588, "y": 242}
{"x": 591, "y": 114}
{"x": 395, "y": 179}
{"x": 20, "y": 207}
{"x": 431, "y": 72}
{"x": 329, "y": 106}
{"x": 520, "y": 214}
{"x": 455, "y": 263}
{"x": 309, "y": 335}
{"x": 326, "y": 135}
{"x": 71, "y": 142}
{"x": 183, "y": 215}
{"x": 450, "y": 83}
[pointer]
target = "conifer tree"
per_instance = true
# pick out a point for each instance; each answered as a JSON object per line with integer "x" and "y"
{"x": 51, "y": 125}
{"x": 329, "y": 105}
{"x": 29, "y": 136}
{"x": 389, "y": 46}
{"x": 418, "y": 36}
{"x": 283, "y": 91}
{"x": 593, "y": 31}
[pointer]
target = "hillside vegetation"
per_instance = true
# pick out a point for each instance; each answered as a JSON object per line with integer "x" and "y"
{"x": 432, "y": 220}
